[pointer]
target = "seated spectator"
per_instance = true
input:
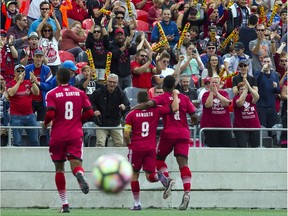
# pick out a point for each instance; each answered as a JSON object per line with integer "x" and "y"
{"x": 48, "y": 42}
{"x": 144, "y": 5}
{"x": 8, "y": 55}
{"x": 194, "y": 35}
{"x": 184, "y": 87}
{"x": 98, "y": 42}
{"x": 245, "y": 115}
{"x": 133, "y": 9}
{"x": 142, "y": 70}
{"x": 21, "y": 113}
{"x": 108, "y": 113}
{"x": 78, "y": 11}
{"x": 71, "y": 40}
{"x": 216, "y": 114}
{"x": 180, "y": 16}
{"x": 182, "y": 50}
{"x": 155, "y": 91}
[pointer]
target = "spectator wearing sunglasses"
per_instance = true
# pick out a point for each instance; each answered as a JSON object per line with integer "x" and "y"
{"x": 210, "y": 50}
{"x": 20, "y": 93}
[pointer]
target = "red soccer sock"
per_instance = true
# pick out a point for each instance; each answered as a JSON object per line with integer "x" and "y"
{"x": 135, "y": 187}
{"x": 78, "y": 169}
{"x": 162, "y": 166}
{"x": 186, "y": 177}
{"x": 61, "y": 187}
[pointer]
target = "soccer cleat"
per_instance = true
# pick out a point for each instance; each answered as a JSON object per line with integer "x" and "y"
{"x": 136, "y": 208}
{"x": 82, "y": 182}
{"x": 65, "y": 209}
{"x": 167, "y": 191}
{"x": 162, "y": 178}
{"x": 185, "y": 201}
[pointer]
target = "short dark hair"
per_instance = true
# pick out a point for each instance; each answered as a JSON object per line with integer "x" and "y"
{"x": 169, "y": 82}
{"x": 43, "y": 3}
{"x": 253, "y": 19}
{"x": 63, "y": 75}
{"x": 19, "y": 17}
{"x": 142, "y": 96}
{"x": 139, "y": 51}
{"x": 119, "y": 12}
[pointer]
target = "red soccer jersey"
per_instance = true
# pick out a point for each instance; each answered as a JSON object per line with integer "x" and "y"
{"x": 68, "y": 103}
{"x": 144, "y": 126}
{"x": 21, "y": 102}
{"x": 142, "y": 80}
{"x": 245, "y": 116}
{"x": 216, "y": 116}
{"x": 176, "y": 125}
{"x": 37, "y": 98}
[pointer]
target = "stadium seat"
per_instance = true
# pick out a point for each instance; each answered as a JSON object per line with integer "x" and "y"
{"x": 133, "y": 102}
{"x": 88, "y": 133}
{"x": 82, "y": 57}
{"x": 131, "y": 92}
{"x": 64, "y": 56}
{"x": 87, "y": 24}
{"x": 142, "y": 15}
{"x": 143, "y": 26}
{"x": 277, "y": 134}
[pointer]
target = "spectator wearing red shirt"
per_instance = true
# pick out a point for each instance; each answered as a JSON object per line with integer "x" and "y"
{"x": 143, "y": 4}
{"x": 154, "y": 12}
{"x": 245, "y": 115}
{"x": 143, "y": 70}
{"x": 78, "y": 11}
{"x": 20, "y": 93}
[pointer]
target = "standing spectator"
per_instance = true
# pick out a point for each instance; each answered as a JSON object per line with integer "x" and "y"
{"x": 154, "y": 12}
{"x": 71, "y": 40}
{"x": 45, "y": 11}
{"x": 34, "y": 11}
{"x": 19, "y": 32}
{"x": 4, "y": 105}
{"x": 210, "y": 49}
{"x": 239, "y": 55}
{"x": 213, "y": 68}
{"x": 268, "y": 85}
{"x": 109, "y": 104}
{"x": 8, "y": 56}
{"x": 67, "y": 107}
{"x": 48, "y": 42}
{"x": 88, "y": 83}
{"x": 121, "y": 49}
{"x": 98, "y": 42}
{"x": 27, "y": 54}
{"x": 248, "y": 33}
{"x": 43, "y": 76}
{"x": 280, "y": 59}
{"x": 21, "y": 113}
{"x": 245, "y": 115}
{"x": 243, "y": 74}
{"x": 118, "y": 23}
{"x": 164, "y": 61}
{"x": 280, "y": 28}
{"x": 94, "y": 9}
{"x": 169, "y": 27}
{"x": 142, "y": 70}
{"x": 238, "y": 15}
{"x": 191, "y": 16}
{"x": 142, "y": 146}
{"x": 174, "y": 137}
{"x": 60, "y": 8}
{"x": 261, "y": 47}
{"x": 78, "y": 11}
{"x": 134, "y": 12}
{"x": 10, "y": 11}
{"x": 283, "y": 138}
{"x": 216, "y": 114}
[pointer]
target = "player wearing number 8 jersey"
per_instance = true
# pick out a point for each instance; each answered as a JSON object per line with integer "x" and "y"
{"x": 67, "y": 107}
{"x": 142, "y": 148}
{"x": 175, "y": 136}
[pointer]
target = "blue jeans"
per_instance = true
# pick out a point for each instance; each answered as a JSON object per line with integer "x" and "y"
{"x": 27, "y": 120}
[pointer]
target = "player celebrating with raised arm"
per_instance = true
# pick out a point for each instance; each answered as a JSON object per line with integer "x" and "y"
{"x": 67, "y": 107}
{"x": 174, "y": 136}
{"x": 142, "y": 147}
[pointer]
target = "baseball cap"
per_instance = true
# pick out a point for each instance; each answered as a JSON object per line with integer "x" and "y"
{"x": 69, "y": 65}
{"x": 244, "y": 61}
{"x": 193, "y": 11}
{"x": 238, "y": 46}
{"x": 38, "y": 52}
{"x": 11, "y": 2}
{"x": 19, "y": 66}
{"x": 3, "y": 33}
{"x": 119, "y": 30}
{"x": 206, "y": 80}
{"x": 33, "y": 34}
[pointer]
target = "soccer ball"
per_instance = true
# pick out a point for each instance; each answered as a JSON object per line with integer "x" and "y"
{"x": 112, "y": 173}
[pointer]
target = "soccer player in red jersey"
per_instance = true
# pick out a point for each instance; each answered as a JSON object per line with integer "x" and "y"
{"x": 67, "y": 107}
{"x": 142, "y": 146}
{"x": 175, "y": 136}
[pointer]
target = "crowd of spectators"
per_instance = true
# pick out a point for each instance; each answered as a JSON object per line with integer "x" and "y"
{"x": 227, "y": 56}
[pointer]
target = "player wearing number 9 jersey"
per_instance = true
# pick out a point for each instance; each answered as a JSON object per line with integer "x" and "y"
{"x": 67, "y": 107}
{"x": 175, "y": 136}
{"x": 142, "y": 125}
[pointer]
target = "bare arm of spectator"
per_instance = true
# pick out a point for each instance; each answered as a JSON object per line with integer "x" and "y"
{"x": 97, "y": 12}
{"x": 12, "y": 47}
{"x": 284, "y": 92}
{"x": 255, "y": 50}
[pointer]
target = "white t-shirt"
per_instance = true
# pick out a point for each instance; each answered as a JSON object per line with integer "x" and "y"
{"x": 51, "y": 50}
